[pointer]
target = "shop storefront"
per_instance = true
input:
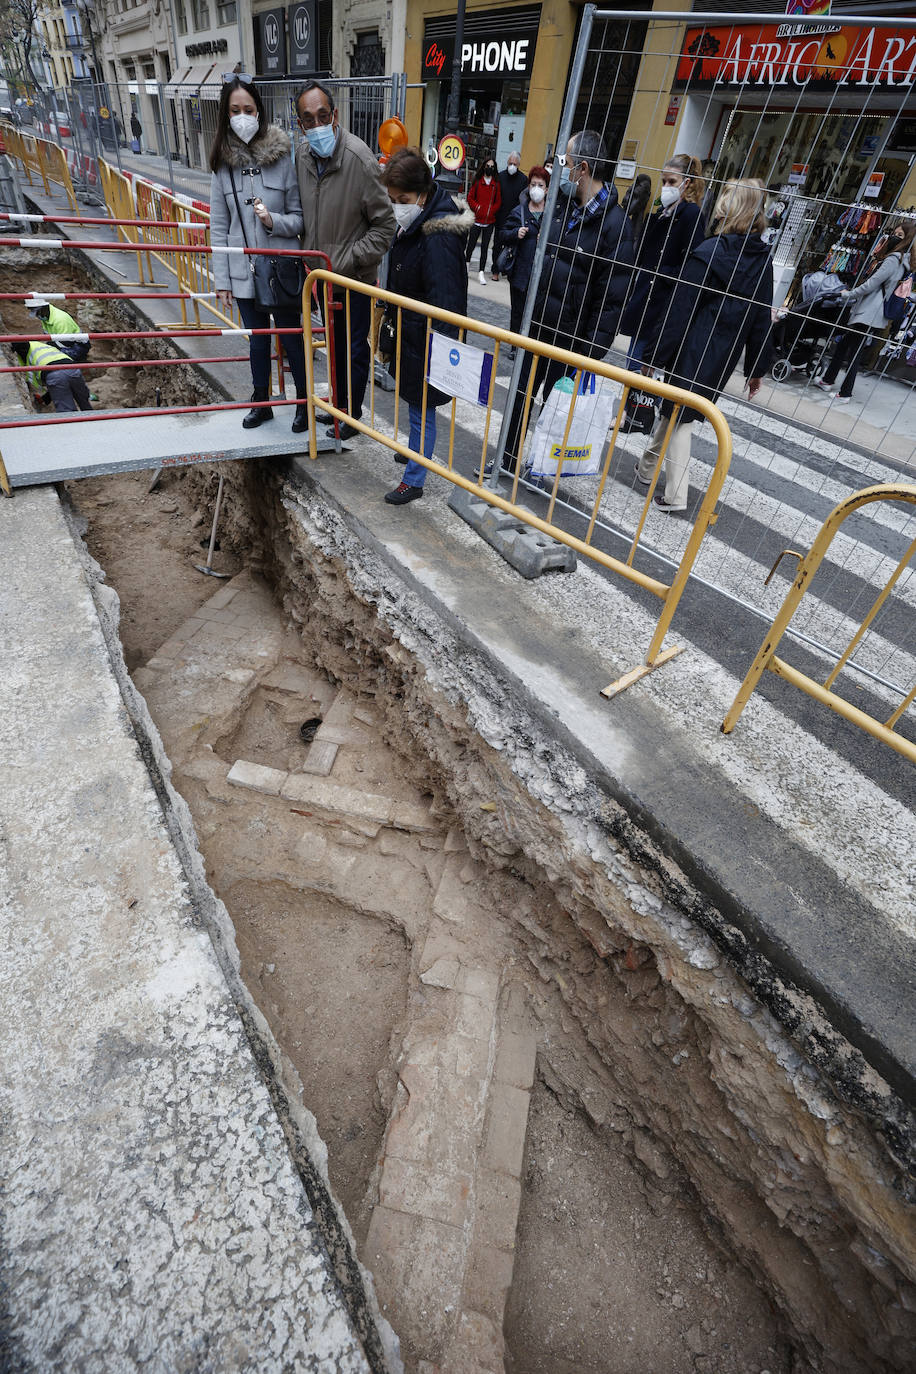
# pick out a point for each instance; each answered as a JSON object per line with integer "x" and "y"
{"x": 498, "y": 55}
{"x": 818, "y": 113}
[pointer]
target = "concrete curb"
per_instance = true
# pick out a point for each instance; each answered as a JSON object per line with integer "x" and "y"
{"x": 158, "y": 1173}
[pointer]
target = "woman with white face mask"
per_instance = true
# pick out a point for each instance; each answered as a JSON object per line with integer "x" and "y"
{"x": 254, "y": 201}
{"x": 669, "y": 237}
{"x": 426, "y": 262}
{"x": 521, "y": 231}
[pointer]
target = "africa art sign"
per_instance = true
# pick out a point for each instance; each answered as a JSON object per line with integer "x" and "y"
{"x": 819, "y": 56}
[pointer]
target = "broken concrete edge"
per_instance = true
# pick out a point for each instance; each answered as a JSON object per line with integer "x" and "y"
{"x": 308, "y": 1151}
{"x": 697, "y": 906}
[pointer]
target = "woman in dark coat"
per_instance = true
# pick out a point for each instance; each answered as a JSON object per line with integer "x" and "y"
{"x": 669, "y": 238}
{"x": 521, "y": 229}
{"x": 426, "y": 262}
{"x": 635, "y": 204}
{"x": 721, "y": 307}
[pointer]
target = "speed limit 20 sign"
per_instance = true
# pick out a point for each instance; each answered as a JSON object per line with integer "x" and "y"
{"x": 452, "y": 152}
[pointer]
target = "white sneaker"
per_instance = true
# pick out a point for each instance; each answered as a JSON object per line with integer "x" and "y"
{"x": 839, "y": 400}
{"x": 482, "y": 278}
{"x": 824, "y": 386}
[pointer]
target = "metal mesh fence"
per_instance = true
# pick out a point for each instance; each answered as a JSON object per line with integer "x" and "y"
{"x": 164, "y": 131}
{"x": 812, "y": 118}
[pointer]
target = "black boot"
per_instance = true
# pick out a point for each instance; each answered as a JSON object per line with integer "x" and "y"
{"x": 301, "y": 417}
{"x": 260, "y": 413}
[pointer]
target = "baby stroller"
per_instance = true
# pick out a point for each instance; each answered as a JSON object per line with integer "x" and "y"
{"x": 801, "y": 335}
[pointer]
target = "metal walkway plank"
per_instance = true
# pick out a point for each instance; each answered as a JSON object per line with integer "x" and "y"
{"x": 36, "y": 454}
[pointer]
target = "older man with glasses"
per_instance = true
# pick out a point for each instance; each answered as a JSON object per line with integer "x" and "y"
{"x": 347, "y": 215}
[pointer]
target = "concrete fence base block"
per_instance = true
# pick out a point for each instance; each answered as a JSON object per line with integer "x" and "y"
{"x": 525, "y": 549}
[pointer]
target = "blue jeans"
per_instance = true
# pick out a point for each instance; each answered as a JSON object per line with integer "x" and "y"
{"x": 415, "y": 473}
{"x": 259, "y": 348}
{"x": 634, "y": 355}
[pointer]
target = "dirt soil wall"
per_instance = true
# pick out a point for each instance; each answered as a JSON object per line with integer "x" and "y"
{"x": 661, "y": 1039}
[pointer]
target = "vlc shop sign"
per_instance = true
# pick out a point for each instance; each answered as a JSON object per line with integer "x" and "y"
{"x": 273, "y": 42}
{"x": 303, "y": 36}
{"x": 820, "y": 56}
{"x": 505, "y": 58}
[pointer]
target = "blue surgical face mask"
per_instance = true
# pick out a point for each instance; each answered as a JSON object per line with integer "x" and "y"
{"x": 567, "y": 186}
{"x": 322, "y": 140}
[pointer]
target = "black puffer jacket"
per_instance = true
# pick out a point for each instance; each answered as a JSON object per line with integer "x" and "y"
{"x": 520, "y": 272}
{"x": 585, "y": 278}
{"x": 667, "y": 242}
{"x": 721, "y": 308}
{"x": 427, "y": 263}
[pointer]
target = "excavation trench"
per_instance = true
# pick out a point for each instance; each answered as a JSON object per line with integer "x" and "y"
{"x": 564, "y": 1133}
{"x": 563, "y": 1137}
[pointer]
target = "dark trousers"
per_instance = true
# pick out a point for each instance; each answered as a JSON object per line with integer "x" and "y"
{"x": 516, "y": 306}
{"x": 67, "y": 389}
{"x": 546, "y": 371}
{"x": 259, "y": 349}
{"x": 848, "y": 354}
{"x": 353, "y": 346}
{"x": 484, "y": 232}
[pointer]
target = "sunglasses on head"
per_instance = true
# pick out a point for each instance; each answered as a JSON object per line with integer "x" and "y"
{"x": 237, "y": 76}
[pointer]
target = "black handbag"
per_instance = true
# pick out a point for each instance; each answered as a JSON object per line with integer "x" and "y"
{"x": 387, "y": 337}
{"x": 507, "y": 255}
{"x": 639, "y": 413}
{"x": 278, "y": 282}
{"x": 506, "y": 259}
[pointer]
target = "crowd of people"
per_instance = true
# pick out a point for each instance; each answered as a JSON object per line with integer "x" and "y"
{"x": 687, "y": 278}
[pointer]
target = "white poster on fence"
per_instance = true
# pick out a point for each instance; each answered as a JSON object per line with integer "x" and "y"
{"x": 459, "y": 369}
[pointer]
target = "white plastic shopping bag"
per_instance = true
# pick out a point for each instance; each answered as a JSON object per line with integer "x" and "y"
{"x": 593, "y": 416}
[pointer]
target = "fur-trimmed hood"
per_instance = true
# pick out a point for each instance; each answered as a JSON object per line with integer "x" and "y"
{"x": 454, "y": 216}
{"x": 264, "y": 150}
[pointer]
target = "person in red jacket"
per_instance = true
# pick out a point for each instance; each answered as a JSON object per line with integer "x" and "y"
{"x": 484, "y": 198}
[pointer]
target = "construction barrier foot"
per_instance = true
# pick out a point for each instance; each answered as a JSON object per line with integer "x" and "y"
{"x": 614, "y": 689}
{"x": 527, "y": 550}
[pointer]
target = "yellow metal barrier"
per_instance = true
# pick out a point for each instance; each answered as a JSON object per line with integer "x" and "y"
{"x": 669, "y": 593}
{"x": 41, "y": 156}
{"x": 767, "y": 659}
{"x": 55, "y": 168}
{"x": 24, "y": 147}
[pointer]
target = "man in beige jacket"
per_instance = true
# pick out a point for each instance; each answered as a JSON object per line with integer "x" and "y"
{"x": 347, "y": 214}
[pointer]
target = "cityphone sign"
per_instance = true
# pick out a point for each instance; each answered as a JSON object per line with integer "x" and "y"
{"x": 508, "y": 59}
{"x": 820, "y": 56}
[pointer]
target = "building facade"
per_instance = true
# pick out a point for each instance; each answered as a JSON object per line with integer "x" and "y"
{"x": 823, "y": 113}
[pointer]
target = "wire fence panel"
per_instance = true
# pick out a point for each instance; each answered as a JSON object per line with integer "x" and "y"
{"x": 164, "y": 131}
{"x": 811, "y": 117}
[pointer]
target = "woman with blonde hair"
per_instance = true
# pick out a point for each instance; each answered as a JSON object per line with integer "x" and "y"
{"x": 719, "y": 310}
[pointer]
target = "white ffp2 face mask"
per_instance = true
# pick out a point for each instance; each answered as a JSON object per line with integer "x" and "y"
{"x": 406, "y": 214}
{"x": 668, "y": 195}
{"x": 244, "y": 126}
{"x": 536, "y": 193}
